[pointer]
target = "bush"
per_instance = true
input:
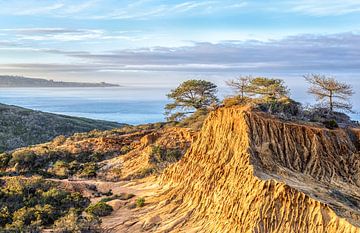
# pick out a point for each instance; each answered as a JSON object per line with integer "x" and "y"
{"x": 331, "y": 124}
{"x": 89, "y": 170}
{"x": 159, "y": 154}
{"x": 60, "y": 169}
{"x": 4, "y": 160}
{"x": 140, "y": 202}
{"x": 72, "y": 222}
{"x": 23, "y": 217}
{"x": 285, "y": 107}
{"x": 144, "y": 172}
{"x": 5, "y": 216}
{"x": 59, "y": 140}
{"x": 122, "y": 196}
{"x": 99, "y": 209}
{"x": 235, "y": 100}
{"x": 24, "y": 160}
{"x": 30, "y": 204}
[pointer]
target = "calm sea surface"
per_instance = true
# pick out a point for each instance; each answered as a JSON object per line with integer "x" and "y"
{"x": 120, "y": 104}
{"x": 131, "y": 105}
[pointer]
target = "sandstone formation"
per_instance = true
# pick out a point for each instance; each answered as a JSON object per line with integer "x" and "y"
{"x": 139, "y": 161}
{"x": 249, "y": 172}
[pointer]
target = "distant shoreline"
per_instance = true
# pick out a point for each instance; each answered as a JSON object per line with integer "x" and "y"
{"x": 24, "y": 82}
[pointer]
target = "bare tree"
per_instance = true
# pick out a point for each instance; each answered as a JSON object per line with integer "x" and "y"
{"x": 330, "y": 92}
{"x": 240, "y": 84}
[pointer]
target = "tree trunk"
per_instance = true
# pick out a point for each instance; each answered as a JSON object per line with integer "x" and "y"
{"x": 331, "y": 101}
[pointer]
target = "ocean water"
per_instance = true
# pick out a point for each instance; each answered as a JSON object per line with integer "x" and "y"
{"x": 131, "y": 105}
{"x": 121, "y": 104}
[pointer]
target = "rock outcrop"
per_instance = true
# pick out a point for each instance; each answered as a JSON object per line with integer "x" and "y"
{"x": 143, "y": 158}
{"x": 249, "y": 172}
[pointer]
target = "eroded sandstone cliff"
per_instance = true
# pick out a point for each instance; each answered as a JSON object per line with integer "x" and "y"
{"x": 249, "y": 172}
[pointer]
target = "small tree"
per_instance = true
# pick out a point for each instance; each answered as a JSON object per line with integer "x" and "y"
{"x": 240, "y": 84}
{"x": 267, "y": 88}
{"x": 189, "y": 97}
{"x": 330, "y": 92}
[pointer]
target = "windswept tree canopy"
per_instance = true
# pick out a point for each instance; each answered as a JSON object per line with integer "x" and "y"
{"x": 329, "y": 92}
{"x": 190, "y": 96}
{"x": 264, "y": 88}
{"x": 268, "y": 88}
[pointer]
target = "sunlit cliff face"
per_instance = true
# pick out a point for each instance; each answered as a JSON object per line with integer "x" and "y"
{"x": 248, "y": 172}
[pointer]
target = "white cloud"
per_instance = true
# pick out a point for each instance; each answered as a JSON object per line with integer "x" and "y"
{"x": 110, "y": 9}
{"x": 64, "y": 34}
{"x": 49, "y": 7}
{"x": 39, "y": 10}
{"x": 324, "y": 8}
{"x": 295, "y": 54}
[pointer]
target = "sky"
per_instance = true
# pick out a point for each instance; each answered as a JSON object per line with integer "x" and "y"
{"x": 158, "y": 42}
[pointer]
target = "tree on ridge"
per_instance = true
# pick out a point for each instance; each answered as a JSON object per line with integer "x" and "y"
{"x": 189, "y": 97}
{"x": 329, "y": 92}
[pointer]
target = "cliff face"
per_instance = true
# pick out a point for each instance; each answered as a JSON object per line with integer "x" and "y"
{"x": 248, "y": 172}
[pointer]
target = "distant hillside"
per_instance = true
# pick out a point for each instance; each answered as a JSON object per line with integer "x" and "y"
{"x": 17, "y": 81}
{"x": 21, "y": 127}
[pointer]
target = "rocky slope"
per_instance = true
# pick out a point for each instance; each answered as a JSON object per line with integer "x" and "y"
{"x": 125, "y": 153}
{"x": 150, "y": 154}
{"x": 249, "y": 172}
{"x": 22, "y": 127}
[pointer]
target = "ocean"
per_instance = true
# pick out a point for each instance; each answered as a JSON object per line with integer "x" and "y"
{"x": 131, "y": 105}
{"x": 121, "y": 104}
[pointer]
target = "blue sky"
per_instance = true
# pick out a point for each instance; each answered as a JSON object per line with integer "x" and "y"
{"x": 157, "y": 42}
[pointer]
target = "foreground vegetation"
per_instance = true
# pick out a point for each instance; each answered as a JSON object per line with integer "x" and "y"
{"x": 76, "y": 156}
{"x": 29, "y": 205}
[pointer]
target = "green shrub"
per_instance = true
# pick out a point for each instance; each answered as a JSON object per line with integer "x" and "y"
{"x": 140, "y": 202}
{"x": 96, "y": 157}
{"x": 73, "y": 222}
{"x": 5, "y": 216}
{"x": 4, "y": 160}
{"x": 99, "y": 209}
{"x": 60, "y": 169}
{"x": 89, "y": 170}
{"x": 122, "y": 196}
{"x": 145, "y": 172}
{"x": 235, "y": 100}
{"x": 30, "y": 204}
{"x": 331, "y": 124}
{"x": 159, "y": 154}
{"x": 283, "y": 106}
{"x": 23, "y": 217}
{"x": 59, "y": 140}
{"x": 24, "y": 160}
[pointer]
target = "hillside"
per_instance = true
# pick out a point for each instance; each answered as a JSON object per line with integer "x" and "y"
{"x": 18, "y": 81}
{"x": 22, "y": 127}
{"x": 54, "y": 185}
